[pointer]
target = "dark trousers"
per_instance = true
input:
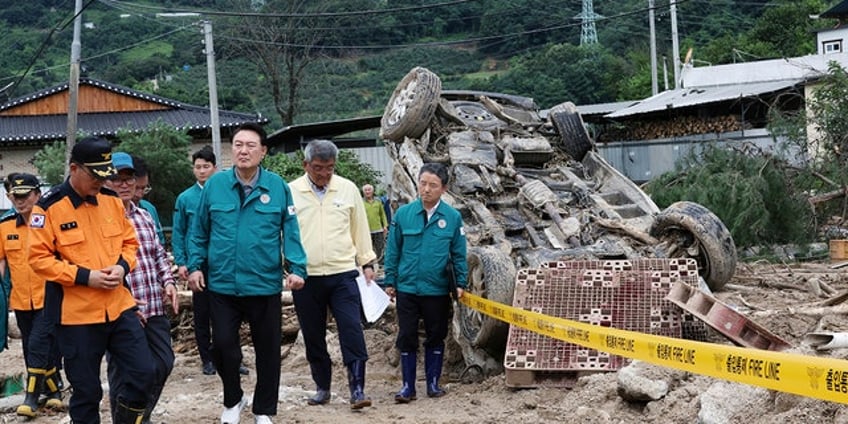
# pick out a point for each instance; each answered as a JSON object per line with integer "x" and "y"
{"x": 83, "y": 347}
{"x": 340, "y": 294}
{"x": 38, "y": 337}
{"x": 378, "y": 242}
{"x": 202, "y": 333}
{"x": 158, "y": 334}
{"x": 264, "y": 315}
{"x": 433, "y": 310}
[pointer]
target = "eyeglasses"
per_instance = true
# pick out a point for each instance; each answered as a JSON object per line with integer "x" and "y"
{"x": 123, "y": 180}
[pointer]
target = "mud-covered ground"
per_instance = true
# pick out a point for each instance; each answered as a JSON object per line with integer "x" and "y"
{"x": 777, "y": 296}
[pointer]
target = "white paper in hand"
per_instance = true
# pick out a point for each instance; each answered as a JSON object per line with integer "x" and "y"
{"x": 374, "y": 299}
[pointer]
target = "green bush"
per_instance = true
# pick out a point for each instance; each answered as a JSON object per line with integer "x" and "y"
{"x": 753, "y": 195}
{"x": 165, "y": 151}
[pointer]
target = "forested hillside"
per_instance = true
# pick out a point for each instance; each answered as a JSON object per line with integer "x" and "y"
{"x": 307, "y": 60}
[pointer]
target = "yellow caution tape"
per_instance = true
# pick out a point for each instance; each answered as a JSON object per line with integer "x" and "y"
{"x": 821, "y": 378}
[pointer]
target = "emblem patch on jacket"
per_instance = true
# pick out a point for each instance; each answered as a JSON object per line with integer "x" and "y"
{"x": 37, "y": 221}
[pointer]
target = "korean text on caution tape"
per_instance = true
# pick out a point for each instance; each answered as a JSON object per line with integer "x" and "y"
{"x": 821, "y": 378}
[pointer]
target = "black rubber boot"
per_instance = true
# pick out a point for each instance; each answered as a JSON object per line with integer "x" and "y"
{"x": 321, "y": 397}
{"x": 128, "y": 415}
{"x": 53, "y": 390}
{"x": 356, "y": 382}
{"x": 407, "y": 368}
{"x": 433, "y": 368}
{"x": 34, "y": 385}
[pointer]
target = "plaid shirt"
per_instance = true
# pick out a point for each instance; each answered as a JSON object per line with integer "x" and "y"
{"x": 153, "y": 272}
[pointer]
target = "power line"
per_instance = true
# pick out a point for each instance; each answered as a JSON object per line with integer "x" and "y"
{"x": 118, "y": 50}
{"x": 44, "y": 46}
{"x": 294, "y": 15}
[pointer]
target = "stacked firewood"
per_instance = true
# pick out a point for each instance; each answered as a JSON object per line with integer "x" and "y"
{"x": 678, "y": 126}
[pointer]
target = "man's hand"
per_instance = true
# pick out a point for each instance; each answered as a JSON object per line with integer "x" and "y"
{"x": 459, "y": 293}
{"x": 182, "y": 272}
{"x": 171, "y": 292}
{"x": 294, "y": 282}
{"x": 107, "y": 278}
{"x": 138, "y": 313}
{"x": 195, "y": 281}
{"x": 369, "y": 275}
{"x": 391, "y": 292}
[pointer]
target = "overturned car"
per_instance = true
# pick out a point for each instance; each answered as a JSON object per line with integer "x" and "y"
{"x": 532, "y": 189}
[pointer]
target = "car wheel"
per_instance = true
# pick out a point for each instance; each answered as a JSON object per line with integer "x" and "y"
{"x": 475, "y": 115}
{"x": 696, "y": 232}
{"x": 571, "y": 129}
{"x": 491, "y": 275}
{"x": 411, "y": 105}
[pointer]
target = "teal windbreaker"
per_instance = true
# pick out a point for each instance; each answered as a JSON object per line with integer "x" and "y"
{"x": 416, "y": 254}
{"x": 242, "y": 242}
{"x": 185, "y": 209}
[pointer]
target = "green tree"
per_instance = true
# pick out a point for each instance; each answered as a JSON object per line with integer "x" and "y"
{"x": 50, "y": 162}
{"x": 827, "y": 146}
{"x": 165, "y": 150}
{"x": 754, "y": 195}
{"x": 581, "y": 74}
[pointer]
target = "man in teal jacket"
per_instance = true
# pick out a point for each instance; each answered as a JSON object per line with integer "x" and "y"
{"x": 185, "y": 208}
{"x": 426, "y": 244}
{"x": 245, "y": 223}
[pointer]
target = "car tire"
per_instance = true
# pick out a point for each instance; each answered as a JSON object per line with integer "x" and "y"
{"x": 491, "y": 275}
{"x": 571, "y": 129}
{"x": 411, "y": 105}
{"x": 475, "y": 115}
{"x": 700, "y": 234}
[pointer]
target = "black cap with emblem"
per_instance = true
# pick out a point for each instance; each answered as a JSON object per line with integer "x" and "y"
{"x": 22, "y": 183}
{"x": 94, "y": 153}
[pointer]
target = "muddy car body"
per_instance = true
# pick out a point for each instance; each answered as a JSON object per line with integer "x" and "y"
{"x": 532, "y": 189}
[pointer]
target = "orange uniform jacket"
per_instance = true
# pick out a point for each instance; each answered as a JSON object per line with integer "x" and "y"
{"x": 69, "y": 237}
{"x": 27, "y": 287}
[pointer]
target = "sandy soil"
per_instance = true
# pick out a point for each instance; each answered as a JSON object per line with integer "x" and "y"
{"x": 764, "y": 292}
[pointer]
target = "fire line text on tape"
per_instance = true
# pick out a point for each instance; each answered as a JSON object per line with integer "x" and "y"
{"x": 816, "y": 377}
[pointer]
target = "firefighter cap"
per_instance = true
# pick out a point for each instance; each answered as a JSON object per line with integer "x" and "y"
{"x": 94, "y": 153}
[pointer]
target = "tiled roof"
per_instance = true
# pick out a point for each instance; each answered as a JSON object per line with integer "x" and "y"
{"x": 839, "y": 10}
{"x": 26, "y": 130}
{"x": 95, "y": 83}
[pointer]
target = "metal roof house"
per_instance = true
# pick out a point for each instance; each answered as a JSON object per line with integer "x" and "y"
{"x": 722, "y": 103}
{"x": 32, "y": 121}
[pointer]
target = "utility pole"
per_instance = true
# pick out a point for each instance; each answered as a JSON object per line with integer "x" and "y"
{"x": 213, "y": 89}
{"x": 73, "y": 85}
{"x": 654, "y": 88}
{"x": 675, "y": 47}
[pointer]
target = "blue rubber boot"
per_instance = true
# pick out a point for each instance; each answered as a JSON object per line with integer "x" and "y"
{"x": 433, "y": 369}
{"x": 407, "y": 368}
{"x": 356, "y": 382}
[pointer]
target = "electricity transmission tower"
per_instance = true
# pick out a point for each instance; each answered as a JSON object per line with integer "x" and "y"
{"x": 588, "y": 33}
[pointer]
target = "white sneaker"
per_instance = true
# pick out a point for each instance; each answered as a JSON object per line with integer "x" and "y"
{"x": 233, "y": 415}
{"x": 263, "y": 419}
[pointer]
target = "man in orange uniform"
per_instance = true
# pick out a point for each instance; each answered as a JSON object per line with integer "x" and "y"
{"x": 27, "y": 297}
{"x": 83, "y": 245}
